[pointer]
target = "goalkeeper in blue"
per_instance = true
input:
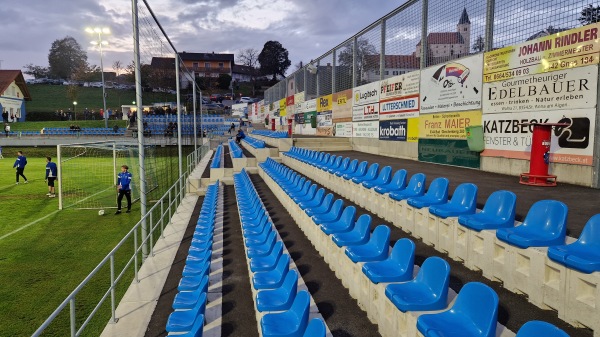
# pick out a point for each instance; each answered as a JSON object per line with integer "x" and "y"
{"x": 124, "y": 188}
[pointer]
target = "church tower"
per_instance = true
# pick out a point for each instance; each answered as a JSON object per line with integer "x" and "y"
{"x": 464, "y": 29}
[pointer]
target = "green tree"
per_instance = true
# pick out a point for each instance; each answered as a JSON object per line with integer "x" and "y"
{"x": 479, "y": 44}
{"x": 364, "y": 53}
{"x": 65, "y": 56}
{"x": 274, "y": 59}
{"x": 589, "y": 15}
{"x": 36, "y": 71}
{"x": 224, "y": 81}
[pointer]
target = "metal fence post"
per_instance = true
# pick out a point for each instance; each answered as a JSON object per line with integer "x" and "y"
{"x": 382, "y": 53}
{"x": 113, "y": 300}
{"x": 424, "y": 45}
{"x": 72, "y": 317}
{"x": 489, "y": 25}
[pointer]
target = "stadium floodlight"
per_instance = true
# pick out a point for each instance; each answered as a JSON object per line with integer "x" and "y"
{"x": 100, "y": 42}
{"x": 75, "y": 110}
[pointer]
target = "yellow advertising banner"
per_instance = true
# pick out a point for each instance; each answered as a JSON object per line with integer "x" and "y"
{"x": 324, "y": 103}
{"x": 282, "y": 106}
{"x": 412, "y": 132}
{"x": 447, "y": 125}
{"x": 342, "y": 106}
{"x": 569, "y": 49}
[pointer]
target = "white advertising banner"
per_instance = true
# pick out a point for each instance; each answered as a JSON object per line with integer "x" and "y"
{"x": 404, "y": 107}
{"x": 343, "y": 129}
{"x": 368, "y": 129}
{"x": 454, "y": 86}
{"x": 400, "y": 86}
{"x": 505, "y": 135}
{"x": 309, "y": 106}
{"x": 365, "y": 112}
{"x": 366, "y": 94}
{"x": 568, "y": 89}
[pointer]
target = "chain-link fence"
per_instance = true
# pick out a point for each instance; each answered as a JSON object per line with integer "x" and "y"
{"x": 423, "y": 33}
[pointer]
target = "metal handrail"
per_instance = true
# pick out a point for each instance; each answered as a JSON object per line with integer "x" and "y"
{"x": 173, "y": 197}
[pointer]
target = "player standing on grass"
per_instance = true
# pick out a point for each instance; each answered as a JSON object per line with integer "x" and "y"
{"x": 124, "y": 188}
{"x": 51, "y": 174}
{"x": 20, "y": 165}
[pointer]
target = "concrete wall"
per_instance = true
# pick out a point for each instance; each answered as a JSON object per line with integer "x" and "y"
{"x": 404, "y": 150}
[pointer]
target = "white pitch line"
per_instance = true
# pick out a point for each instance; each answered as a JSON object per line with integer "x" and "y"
{"x": 27, "y": 225}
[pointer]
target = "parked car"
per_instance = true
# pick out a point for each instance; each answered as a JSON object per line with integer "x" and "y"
{"x": 227, "y": 96}
{"x": 216, "y": 98}
{"x": 245, "y": 100}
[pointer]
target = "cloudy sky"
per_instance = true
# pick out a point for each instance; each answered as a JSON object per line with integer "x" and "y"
{"x": 306, "y": 28}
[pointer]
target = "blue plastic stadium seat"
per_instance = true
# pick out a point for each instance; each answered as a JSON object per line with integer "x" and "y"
{"x": 544, "y": 225}
{"x": 342, "y": 166}
{"x": 316, "y": 328}
{"x": 474, "y": 314}
{"x": 398, "y": 267}
{"x": 290, "y": 323}
{"x": 314, "y": 201}
{"x": 427, "y": 291}
{"x": 415, "y": 188}
{"x": 310, "y": 193}
{"x": 376, "y": 249}
{"x": 334, "y": 213}
{"x": 349, "y": 169}
{"x": 343, "y": 224}
{"x": 359, "y": 235}
{"x": 463, "y": 201}
{"x": 397, "y": 183}
{"x": 191, "y": 283}
{"x": 322, "y": 208}
{"x": 268, "y": 262}
{"x": 539, "y": 328}
{"x": 264, "y": 249}
{"x": 252, "y": 239}
{"x": 584, "y": 254}
{"x": 183, "y": 320}
{"x": 436, "y": 194}
{"x": 281, "y": 298}
{"x": 361, "y": 170}
{"x": 369, "y": 175}
{"x": 383, "y": 178}
{"x": 189, "y": 299}
{"x": 273, "y": 278}
{"x": 498, "y": 212}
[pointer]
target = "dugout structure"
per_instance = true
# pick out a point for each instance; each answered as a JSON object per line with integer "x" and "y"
{"x": 87, "y": 173}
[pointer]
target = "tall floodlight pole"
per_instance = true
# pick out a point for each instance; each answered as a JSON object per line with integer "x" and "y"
{"x": 140, "y": 124}
{"x": 99, "y": 42}
{"x": 194, "y": 98}
{"x": 179, "y": 124}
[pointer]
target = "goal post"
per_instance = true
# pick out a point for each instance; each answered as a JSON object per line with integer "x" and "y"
{"x": 87, "y": 173}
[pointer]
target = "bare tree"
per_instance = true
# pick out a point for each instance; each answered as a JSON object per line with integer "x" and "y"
{"x": 248, "y": 57}
{"x": 118, "y": 68}
{"x": 479, "y": 44}
{"x": 589, "y": 15}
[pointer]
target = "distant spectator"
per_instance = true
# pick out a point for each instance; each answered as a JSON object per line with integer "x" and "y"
{"x": 116, "y": 128}
{"x": 1, "y": 156}
{"x": 5, "y": 116}
{"x": 240, "y": 135}
{"x": 6, "y": 129}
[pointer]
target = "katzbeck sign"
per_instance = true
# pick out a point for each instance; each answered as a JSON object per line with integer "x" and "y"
{"x": 564, "y": 89}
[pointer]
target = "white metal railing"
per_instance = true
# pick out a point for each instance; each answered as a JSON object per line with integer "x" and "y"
{"x": 167, "y": 205}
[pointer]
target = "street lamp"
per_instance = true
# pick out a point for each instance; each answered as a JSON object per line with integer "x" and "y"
{"x": 99, "y": 42}
{"x": 74, "y": 109}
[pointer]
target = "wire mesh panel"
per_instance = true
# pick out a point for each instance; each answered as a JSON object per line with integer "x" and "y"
{"x": 402, "y": 34}
{"x": 453, "y": 30}
{"x": 299, "y": 79}
{"x": 325, "y": 73}
{"x": 367, "y": 55}
{"x": 343, "y": 67}
{"x": 311, "y": 81}
{"x": 518, "y": 21}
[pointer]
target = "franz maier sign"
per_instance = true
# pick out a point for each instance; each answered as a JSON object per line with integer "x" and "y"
{"x": 564, "y": 89}
{"x": 454, "y": 86}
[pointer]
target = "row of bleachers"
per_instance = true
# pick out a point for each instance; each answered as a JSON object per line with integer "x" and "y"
{"x": 255, "y": 143}
{"x": 218, "y": 161}
{"x": 185, "y": 118}
{"x": 235, "y": 149}
{"x": 520, "y": 257}
{"x": 83, "y": 132}
{"x": 394, "y": 292}
{"x": 190, "y": 302}
{"x": 284, "y": 311}
{"x": 271, "y": 134}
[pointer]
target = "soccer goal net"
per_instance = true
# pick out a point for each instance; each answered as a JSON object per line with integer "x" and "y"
{"x": 87, "y": 174}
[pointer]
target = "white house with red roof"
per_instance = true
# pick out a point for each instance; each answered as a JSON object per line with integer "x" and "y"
{"x": 13, "y": 94}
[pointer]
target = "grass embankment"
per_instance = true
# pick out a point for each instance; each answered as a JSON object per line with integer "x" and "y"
{"x": 37, "y": 126}
{"x": 45, "y": 253}
{"x": 49, "y": 98}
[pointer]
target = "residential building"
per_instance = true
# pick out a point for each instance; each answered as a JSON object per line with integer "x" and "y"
{"x": 13, "y": 94}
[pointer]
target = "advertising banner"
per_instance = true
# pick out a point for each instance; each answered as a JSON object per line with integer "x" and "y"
{"x": 506, "y": 136}
{"x": 342, "y": 106}
{"x": 309, "y": 106}
{"x": 299, "y": 118}
{"x": 365, "y": 129}
{"x": 563, "y": 89}
{"x": 343, "y": 129}
{"x": 448, "y": 151}
{"x": 282, "y": 107}
{"x": 407, "y": 107}
{"x": 324, "y": 103}
{"x": 569, "y": 49}
{"x": 400, "y": 86}
{"x": 448, "y": 125}
{"x": 298, "y": 100}
{"x": 366, "y": 94}
{"x": 453, "y": 86}
{"x": 324, "y": 119}
{"x": 308, "y": 116}
{"x": 261, "y": 110}
{"x": 365, "y": 112}
{"x": 325, "y": 131}
{"x": 399, "y": 130}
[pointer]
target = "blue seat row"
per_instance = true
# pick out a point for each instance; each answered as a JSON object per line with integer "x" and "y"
{"x": 255, "y": 143}
{"x": 277, "y": 285}
{"x": 544, "y": 225}
{"x": 235, "y": 149}
{"x": 216, "y": 161}
{"x": 189, "y": 304}
{"x": 475, "y": 311}
{"x": 270, "y": 133}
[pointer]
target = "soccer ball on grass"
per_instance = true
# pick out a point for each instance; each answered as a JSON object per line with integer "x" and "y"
{"x": 101, "y": 212}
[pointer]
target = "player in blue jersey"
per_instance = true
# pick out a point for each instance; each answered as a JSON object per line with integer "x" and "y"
{"x": 51, "y": 174}
{"x": 124, "y": 188}
{"x": 20, "y": 166}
